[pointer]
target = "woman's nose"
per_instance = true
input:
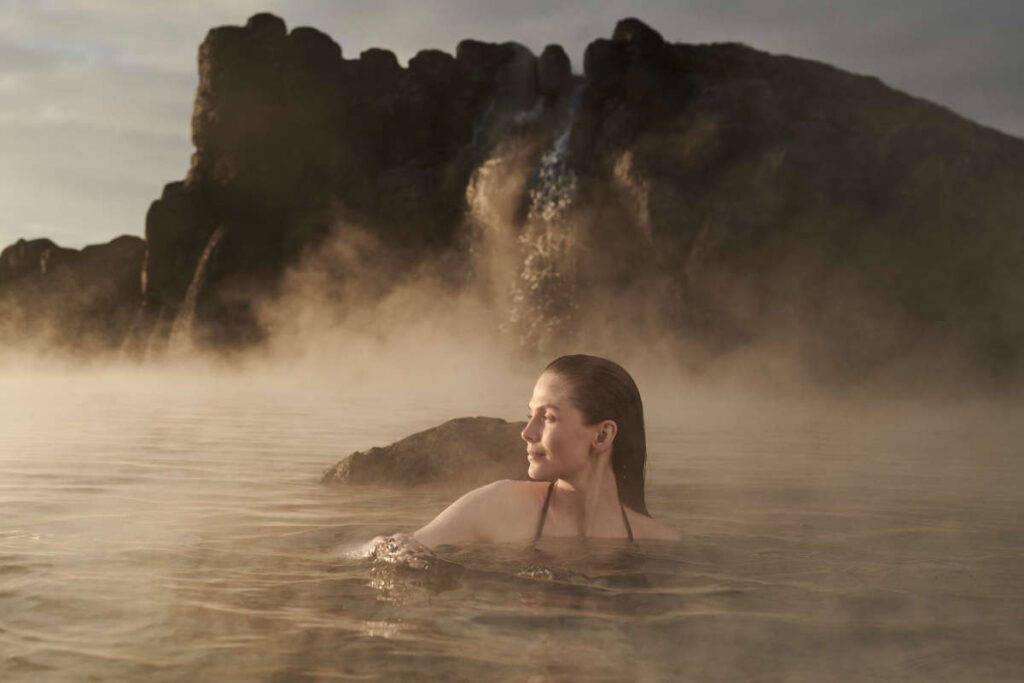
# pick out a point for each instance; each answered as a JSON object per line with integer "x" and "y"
{"x": 529, "y": 433}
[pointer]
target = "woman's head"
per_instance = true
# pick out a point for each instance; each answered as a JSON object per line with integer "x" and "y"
{"x": 600, "y": 391}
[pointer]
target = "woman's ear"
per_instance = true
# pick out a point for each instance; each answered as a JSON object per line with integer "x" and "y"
{"x": 606, "y": 432}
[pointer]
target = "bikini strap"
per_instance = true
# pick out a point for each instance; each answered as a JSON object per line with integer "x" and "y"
{"x": 629, "y": 529}
{"x": 543, "y": 513}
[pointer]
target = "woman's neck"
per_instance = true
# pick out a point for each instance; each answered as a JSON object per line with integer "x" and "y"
{"x": 591, "y": 498}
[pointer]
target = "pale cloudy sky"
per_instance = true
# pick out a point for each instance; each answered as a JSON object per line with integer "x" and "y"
{"x": 96, "y": 95}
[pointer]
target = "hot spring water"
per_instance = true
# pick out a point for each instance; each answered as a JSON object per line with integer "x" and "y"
{"x": 170, "y": 529}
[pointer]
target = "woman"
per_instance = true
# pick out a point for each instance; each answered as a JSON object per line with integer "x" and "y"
{"x": 586, "y": 449}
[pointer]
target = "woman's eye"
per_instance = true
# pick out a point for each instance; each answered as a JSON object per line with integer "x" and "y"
{"x": 549, "y": 418}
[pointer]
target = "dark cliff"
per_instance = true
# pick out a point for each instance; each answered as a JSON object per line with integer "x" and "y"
{"x": 785, "y": 193}
{"x": 712, "y": 192}
{"x": 292, "y": 139}
{"x": 82, "y": 300}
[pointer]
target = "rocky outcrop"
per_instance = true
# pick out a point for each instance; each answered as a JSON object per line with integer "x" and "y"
{"x": 708, "y": 192}
{"x": 80, "y": 300}
{"x": 30, "y": 258}
{"x": 468, "y": 451}
{"x": 292, "y": 141}
{"x": 755, "y": 194}
{"x": 784, "y": 196}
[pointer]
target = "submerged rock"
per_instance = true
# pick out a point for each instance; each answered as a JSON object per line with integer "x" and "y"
{"x": 465, "y": 451}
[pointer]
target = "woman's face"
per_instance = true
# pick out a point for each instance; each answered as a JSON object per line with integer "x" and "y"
{"x": 558, "y": 443}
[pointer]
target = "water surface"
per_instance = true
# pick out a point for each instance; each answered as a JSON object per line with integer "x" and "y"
{"x": 171, "y": 529}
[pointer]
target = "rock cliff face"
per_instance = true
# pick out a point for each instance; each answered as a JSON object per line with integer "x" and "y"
{"x": 82, "y": 300}
{"x": 711, "y": 192}
{"x": 292, "y": 139}
{"x": 736, "y": 194}
{"x": 780, "y": 191}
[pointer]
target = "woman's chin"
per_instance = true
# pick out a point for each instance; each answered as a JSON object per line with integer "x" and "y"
{"x": 538, "y": 472}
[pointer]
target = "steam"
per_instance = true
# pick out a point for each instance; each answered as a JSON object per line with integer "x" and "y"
{"x": 182, "y": 331}
{"x": 544, "y": 297}
{"x": 552, "y": 268}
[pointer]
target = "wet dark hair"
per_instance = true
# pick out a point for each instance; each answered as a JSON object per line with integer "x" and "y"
{"x": 603, "y": 390}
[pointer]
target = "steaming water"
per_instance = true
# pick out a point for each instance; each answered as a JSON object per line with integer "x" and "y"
{"x": 175, "y": 530}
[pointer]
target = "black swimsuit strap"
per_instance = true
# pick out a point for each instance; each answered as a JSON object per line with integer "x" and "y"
{"x": 544, "y": 515}
{"x": 625, "y": 519}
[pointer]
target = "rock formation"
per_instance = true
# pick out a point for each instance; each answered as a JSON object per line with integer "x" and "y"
{"x": 467, "y": 451}
{"x": 784, "y": 192}
{"x": 292, "y": 139}
{"x": 80, "y": 300}
{"x": 710, "y": 192}
{"x": 747, "y": 194}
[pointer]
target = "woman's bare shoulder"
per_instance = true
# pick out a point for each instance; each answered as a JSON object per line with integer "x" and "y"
{"x": 505, "y": 493}
{"x": 486, "y": 514}
{"x": 645, "y": 527}
{"x": 508, "y": 500}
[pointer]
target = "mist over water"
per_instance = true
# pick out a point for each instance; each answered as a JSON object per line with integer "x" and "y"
{"x": 163, "y": 519}
{"x": 848, "y": 488}
{"x": 166, "y": 522}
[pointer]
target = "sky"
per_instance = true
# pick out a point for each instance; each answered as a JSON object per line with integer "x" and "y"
{"x": 96, "y": 95}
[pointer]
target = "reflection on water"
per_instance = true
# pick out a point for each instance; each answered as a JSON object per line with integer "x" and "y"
{"x": 178, "y": 532}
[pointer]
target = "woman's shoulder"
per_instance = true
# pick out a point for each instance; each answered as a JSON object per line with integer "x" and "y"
{"x": 509, "y": 495}
{"x": 504, "y": 495}
{"x": 495, "y": 512}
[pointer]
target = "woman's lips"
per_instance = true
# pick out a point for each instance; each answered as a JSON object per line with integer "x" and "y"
{"x": 534, "y": 455}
